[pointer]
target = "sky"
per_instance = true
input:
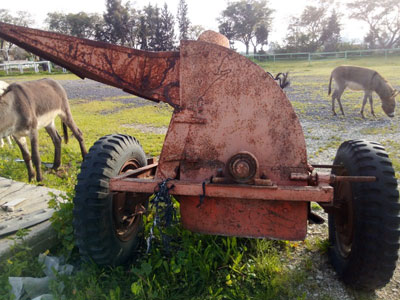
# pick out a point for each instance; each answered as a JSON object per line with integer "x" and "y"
{"x": 201, "y": 12}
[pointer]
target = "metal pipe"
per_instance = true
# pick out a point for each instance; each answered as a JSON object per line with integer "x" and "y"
{"x": 326, "y": 166}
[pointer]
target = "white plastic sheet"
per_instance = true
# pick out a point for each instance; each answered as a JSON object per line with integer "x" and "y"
{"x": 29, "y": 288}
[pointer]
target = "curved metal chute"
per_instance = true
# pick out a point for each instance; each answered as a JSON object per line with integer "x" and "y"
{"x": 151, "y": 75}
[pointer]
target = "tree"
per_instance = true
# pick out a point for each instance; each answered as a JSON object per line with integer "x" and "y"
{"x": 195, "y": 31}
{"x": 117, "y": 21}
{"x": 5, "y": 16}
{"x": 313, "y": 30}
{"x": 330, "y": 36}
{"x": 143, "y": 33}
{"x": 305, "y": 32}
{"x": 225, "y": 27}
{"x": 261, "y": 35}
{"x": 57, "y": 22}
{"x": 150, "y": 28}
{"x": 156, "y": 29}
{"x": 80, "y": 24}
{"x": 383, "y": 19}
{"x": 167, "y": 29}
{"x": 183, "y": 20}
{"x": 22, "y": 18}
{"x": 132, "y": 26}
{"x": 243, "y": 19}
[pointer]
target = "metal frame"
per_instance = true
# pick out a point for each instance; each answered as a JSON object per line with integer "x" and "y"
{"x": 235, "y": 148}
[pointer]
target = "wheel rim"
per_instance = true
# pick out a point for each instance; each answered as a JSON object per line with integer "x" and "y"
{"x": 127, "y": 208}
{"x": 344, "y": 217}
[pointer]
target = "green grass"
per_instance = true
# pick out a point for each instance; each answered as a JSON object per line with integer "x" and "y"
{"x": 196, "y": 266}
{"x": 35, "y": 76}
{"x": 324, "y": 67}
{"x": 21, "y": 263}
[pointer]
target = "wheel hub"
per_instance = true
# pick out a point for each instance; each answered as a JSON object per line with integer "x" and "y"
{"x": 344, "y": 217}
{"x": 127, "y": 207}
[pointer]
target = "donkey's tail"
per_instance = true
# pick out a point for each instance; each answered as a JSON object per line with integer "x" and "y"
{"x": 65, "y": 132}
{"x": 330, "y": 83}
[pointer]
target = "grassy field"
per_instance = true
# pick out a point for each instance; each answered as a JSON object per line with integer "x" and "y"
{"x": 196, "y": 266}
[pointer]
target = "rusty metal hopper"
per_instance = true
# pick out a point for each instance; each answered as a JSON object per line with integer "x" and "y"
{"x": 231, "y": 122}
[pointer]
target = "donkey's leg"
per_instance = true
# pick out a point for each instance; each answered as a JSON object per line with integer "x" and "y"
{"x": 8, "y": 138}
{"x": 334, "y": 96}
{"x": 371, "y": 103}
{"x": 1, "y": 143}
{"x": 363, "y": 105}
{"x": 23, "y": 146}
{"x": 34, "y": 136}
{"x": 69, "y": 121}
{"x": 56, "y": 138}
{"x": 339, "y": 95}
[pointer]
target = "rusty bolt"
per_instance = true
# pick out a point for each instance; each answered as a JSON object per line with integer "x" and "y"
{"x": 242, "y": 167}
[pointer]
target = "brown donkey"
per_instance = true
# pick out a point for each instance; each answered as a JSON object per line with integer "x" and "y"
{"x": 357, "y": 78}
{"x": 3, "y": 86}
{"x": 25, "y": 108}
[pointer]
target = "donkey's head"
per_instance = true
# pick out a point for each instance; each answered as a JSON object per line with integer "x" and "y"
{"x": 389, "y": 104}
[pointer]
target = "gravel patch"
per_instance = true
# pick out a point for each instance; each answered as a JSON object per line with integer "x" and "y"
{"x": 147, "y": 128}
{"x": 92, "y": 90}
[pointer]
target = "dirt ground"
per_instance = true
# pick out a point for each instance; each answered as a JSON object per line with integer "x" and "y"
{"x": 323, "y": 133}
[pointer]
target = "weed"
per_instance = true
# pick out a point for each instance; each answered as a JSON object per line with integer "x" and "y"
{"x": 315, "y": 207}
{"x": 322, "y": 245}
{"x": 61, "y": 221}
{"x": 20, "y": 263}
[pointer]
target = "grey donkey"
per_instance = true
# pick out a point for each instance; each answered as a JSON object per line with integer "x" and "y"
{"x": 358, "y": 78}
{"x": 28, "y": 106}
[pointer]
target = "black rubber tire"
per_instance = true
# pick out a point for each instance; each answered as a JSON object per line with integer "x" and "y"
{"x": 365, "y": 257}
{"x": 93, "y": 218}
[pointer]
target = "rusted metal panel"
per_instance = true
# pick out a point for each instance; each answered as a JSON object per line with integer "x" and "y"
{"x": 243, "y": 110}
{"x": 245, "y": 218}
{"x": 151, "y": 75}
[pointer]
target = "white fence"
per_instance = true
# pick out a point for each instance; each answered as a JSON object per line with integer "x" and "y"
{"x": 325, "y": 55}
{"x": 22, "y": 65}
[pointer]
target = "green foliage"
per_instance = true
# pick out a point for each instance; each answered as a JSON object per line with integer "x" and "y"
{"x": 382, "y": 19}
{"x": 117, "y": 22}
{"x": 306, "y": 31}
{"x": 21, "y": 18}
{"x": 183, "y": 20}
{"x": 247, "y": 21}
{"x": 193, "y": 267}
{"x": 19, "y": 263}
{"x": 61, "y": 221}
{"x": 156, "y": 28}
{"x": 79, "y": 24}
